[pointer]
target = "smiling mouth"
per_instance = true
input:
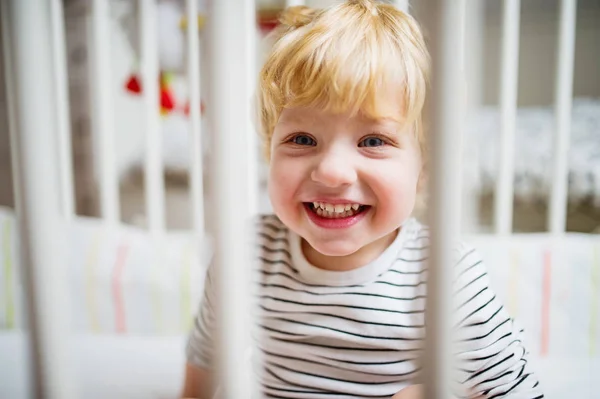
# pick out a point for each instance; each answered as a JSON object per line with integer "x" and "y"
{"x": 337, "y": 211}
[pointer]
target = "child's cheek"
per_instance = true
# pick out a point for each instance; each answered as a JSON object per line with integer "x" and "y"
{"x": 281, "y": 182}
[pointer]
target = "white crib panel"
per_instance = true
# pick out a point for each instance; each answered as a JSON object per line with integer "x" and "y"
{"x": 508, "y": 104}
{"x": 563, "y": 104}
{"x": 102, "y": 112}
{"x": 42, "y": 231}
{"x": 154, "y": 180}
{"x": 193, "y": 75}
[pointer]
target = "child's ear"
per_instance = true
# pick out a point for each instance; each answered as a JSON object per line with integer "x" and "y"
{"x": 423, "y": 180}
{"x": 421, "y": 184}
{"x": 420, "y": 209}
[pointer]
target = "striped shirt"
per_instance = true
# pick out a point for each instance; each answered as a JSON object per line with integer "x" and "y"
{"x": 359, "y": 334}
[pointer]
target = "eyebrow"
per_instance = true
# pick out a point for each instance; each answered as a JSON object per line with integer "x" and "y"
{"x": 386, "y": 123}
{"x": 295, "y": 119}
{"x": 383, "y": 123}
{"x": 388, "y": 119}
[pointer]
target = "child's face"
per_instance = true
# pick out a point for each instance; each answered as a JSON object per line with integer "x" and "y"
{"x": 339, "y": 161}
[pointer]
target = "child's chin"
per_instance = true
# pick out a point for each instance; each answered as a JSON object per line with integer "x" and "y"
{"x": 335, "y": 249}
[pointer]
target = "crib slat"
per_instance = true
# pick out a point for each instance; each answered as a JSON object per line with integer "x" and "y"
{"x": 11, "y": 98}
{"x": 508, "y": 111}
{"x": 251, "y": 136}
{"x": 442, "y": 18}
{"x": 292, "y": 3}
{"x": 62, "y": 109}
{"x": 402, "y": 5}
{"x": 102, "y": 112}
{"x": 193, "y": 74}
{"x": 473, "y": 38}
{"x": 42, "y": 229}
{"x": 228, "y": 110}
{"x": 557, "y": 221}
{"x": 154, "y": 178}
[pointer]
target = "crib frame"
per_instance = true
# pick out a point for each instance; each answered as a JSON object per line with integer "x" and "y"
{"x": 33, "y": 33}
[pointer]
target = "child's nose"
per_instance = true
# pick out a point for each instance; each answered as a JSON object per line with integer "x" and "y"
{"x": 334, "y": 170}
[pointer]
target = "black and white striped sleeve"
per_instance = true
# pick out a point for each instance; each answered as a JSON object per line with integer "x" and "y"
{"x": 200, "y": 344}
{"x": 493, "y": 360}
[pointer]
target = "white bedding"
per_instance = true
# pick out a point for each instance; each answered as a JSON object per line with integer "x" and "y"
{"x": 106, "y": 366}
{"x": 129, "y": 367}
{"x": 534, "y": 138}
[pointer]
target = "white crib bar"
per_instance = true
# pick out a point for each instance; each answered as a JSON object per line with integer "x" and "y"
{"x": 508, "y": 111}
{"x": 65, "y": 161}
{"x": 442, "y": 20}
{"x": 473, "y": 69}
{"x": 402, "y": 5}
{"x": 102, "y": 115}
{"x": 461, "y": 107}
{"x": 293, "y": 3}
{"x": 154, "y": 178}
{"x": 193, "y": 75}
{"x": 228, "y": 112}
{"x": 41, "y": 231}
{"x": 474, "y": 58}
{"x": 563, "y": 101}
{"x": 11, "y": 98}
{"x": 251, "y": 135}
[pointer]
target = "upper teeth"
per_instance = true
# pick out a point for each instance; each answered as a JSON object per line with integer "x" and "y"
{"x": 337, "y": 208}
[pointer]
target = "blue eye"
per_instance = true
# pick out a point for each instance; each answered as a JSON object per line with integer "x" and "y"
{"x": 303, "y": 140}
{"x": 371, "y": 142}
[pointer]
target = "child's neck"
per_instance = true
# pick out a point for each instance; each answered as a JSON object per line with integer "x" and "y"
{"x": 363, "y": 256}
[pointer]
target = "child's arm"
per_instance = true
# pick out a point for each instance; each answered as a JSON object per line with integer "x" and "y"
{"x": 200, "y": 346}
{"x": 493, "y": 358}
{"x": 197, "y": 383}
{"x": 411, "y": 392}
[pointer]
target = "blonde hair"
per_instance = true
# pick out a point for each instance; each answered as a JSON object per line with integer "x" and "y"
{"x": 339, "y": 59}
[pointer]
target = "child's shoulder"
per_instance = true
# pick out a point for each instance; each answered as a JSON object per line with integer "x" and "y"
{"x": 464, "y": 253}
{"x": 417, "y": 234}
{"x": 269, "y": 224}
{"x": 274, "y": 246}
{"x": 270, "y": 232}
